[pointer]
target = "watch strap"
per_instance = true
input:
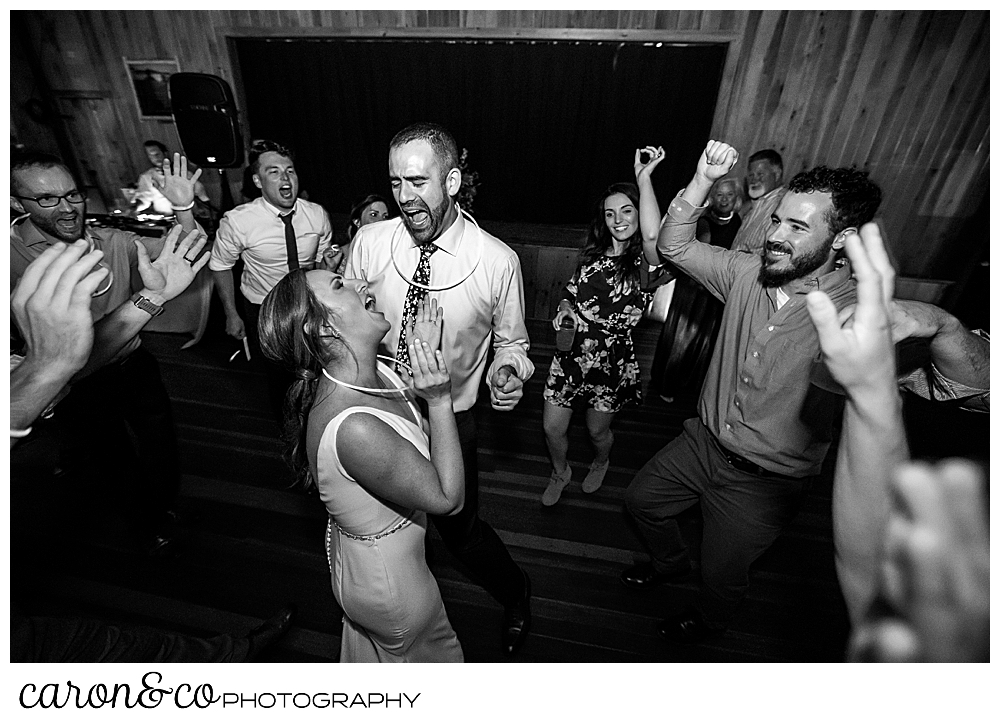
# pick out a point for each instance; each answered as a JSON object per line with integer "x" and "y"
{"x": 146, "y": 305}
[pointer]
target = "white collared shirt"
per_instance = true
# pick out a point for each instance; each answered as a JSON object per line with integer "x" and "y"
{"x": 256, "y": 232}
{"x": 485, "y": 299}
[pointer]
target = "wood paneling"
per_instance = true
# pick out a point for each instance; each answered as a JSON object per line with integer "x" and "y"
{"x": 903, "y": 94}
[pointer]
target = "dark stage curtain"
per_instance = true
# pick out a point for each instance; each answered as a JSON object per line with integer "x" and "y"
{"x": 548, "y": 124}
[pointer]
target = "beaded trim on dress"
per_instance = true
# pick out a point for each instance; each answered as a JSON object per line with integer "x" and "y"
{"x": 330, "y": 524}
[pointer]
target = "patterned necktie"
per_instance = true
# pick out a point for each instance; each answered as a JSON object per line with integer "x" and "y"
{"x": 290, "y": 248}
{"x": 414, "y": 295}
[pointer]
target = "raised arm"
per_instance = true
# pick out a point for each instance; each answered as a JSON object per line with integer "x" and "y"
{"x": 163, "y": 280}
{"x": 179, "y": 188}
{"x": 716, "y": 161}
{"x": 711, "y": 266}
{"x": 389, "y": 466}
{"x": 51, "y": 305}
{"x": 860, "y": 358}
{"x": 678, "y": 229}
{"x": 649, "y": 208}
{"x": 934, "y": 601}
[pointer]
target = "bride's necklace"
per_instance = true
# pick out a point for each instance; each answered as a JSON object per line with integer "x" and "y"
{"x": 725, "y": 219}
{"x": 370, "y": 390}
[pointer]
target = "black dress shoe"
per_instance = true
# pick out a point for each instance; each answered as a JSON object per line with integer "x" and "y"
{"x": 160, "y": 547}
{"x": 517, "y": 621}
{"x": 643, "y": 576}
{"x": 269, "y": 631}
{"x": 688, "y": 627}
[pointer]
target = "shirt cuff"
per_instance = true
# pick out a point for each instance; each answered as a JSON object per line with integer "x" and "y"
{"x": 683, "y": 211}
{"x": 931, "y": 384}
{"x": 518, "y": 360}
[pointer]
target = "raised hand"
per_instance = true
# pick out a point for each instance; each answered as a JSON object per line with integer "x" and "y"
{"x": 176, "y": 185}
{"x": 176, "y": 266}
{"x": 643, "y": 170}
{"x": 51, "y": 304}
{"x": 428, "y": 320}
{"x": 717, "y": 160}
{"x": 430, "y": 373}
{"x": 935, "y": 571}
{"x": 859, "y": 353}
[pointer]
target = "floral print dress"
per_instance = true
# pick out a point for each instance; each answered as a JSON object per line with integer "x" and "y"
{"x": 601, "y": 369}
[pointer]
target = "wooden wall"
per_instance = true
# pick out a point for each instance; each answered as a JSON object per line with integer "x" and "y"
{"x": 902, "y": 94}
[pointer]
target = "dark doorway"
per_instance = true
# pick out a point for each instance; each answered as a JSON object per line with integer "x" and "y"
{"x": 547, "y": 124}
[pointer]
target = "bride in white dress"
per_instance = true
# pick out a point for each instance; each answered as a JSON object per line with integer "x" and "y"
{"x": 356, "y": 434}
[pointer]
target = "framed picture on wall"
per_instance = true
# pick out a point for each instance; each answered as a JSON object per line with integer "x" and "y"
{"x": 149, "y": 85}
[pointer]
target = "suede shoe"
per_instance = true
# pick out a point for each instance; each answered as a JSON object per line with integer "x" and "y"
{"x": 644, "y": 576}
{"x": 595, "y": 477}
{"x": 557, "y": 482}
{"x": 687, "y": 628}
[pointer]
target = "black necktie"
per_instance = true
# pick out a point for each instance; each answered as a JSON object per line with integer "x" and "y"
{"x": 414, "y": 295}
{"x": 290, "y": 248}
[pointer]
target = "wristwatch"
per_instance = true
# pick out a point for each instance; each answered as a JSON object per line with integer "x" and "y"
{"x": 146, "y": 305}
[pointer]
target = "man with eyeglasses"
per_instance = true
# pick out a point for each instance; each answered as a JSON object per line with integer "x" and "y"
{"x": 116, "y": 425}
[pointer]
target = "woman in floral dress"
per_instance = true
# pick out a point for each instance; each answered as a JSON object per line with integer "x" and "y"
{"x": 605, "y": 299}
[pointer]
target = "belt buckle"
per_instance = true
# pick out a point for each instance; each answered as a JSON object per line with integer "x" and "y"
{"x": 741, "y": 463}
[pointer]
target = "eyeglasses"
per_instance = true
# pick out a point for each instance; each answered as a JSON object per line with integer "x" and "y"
{"x": 73, "y": 196}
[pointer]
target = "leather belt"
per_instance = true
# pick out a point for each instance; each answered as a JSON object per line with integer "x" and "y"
{"x": 745, "y": 465}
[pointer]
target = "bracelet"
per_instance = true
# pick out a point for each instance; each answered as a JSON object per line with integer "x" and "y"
{"x": 20, "y": 433}
{"x": 183, "y": 208}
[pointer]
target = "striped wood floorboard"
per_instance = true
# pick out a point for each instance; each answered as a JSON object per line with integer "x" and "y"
{"x": 250, "y": 544}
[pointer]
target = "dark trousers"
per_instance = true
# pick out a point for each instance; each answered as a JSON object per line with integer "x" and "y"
{"x": 116, "y": 429}
{"x": 743, "y": 514}
{"x": 79, "y": 640}
{"x": 472, "y": 541}
{"x": 278, "y": 378}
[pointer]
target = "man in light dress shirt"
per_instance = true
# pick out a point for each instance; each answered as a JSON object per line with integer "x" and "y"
{"x": 255, "y": 231}
{"x": 476, "y": 279}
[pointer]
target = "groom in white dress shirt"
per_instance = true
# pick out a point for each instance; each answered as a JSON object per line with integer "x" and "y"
{"x": 476, "y": 278}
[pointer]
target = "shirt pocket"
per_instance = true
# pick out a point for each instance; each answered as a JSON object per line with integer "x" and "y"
{"x": 307, "y": 243}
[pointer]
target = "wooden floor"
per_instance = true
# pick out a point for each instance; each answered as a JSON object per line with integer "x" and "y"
{"x": 250, "y": 545}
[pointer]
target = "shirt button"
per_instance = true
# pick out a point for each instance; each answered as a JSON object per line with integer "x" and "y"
{"x": 737, "y": 402}
{"x": 756, "y": 354}
{"x": 770, "y": 328}
{"x": 729, "y": 426}
{"x": 746, "y": 380}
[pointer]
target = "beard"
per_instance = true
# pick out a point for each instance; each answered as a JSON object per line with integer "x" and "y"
{"x": 771, "y": 277}
{"x": 435, "y": 223}
{"x": 66, "y": 227}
